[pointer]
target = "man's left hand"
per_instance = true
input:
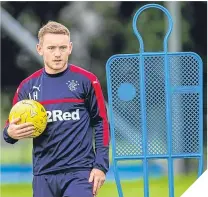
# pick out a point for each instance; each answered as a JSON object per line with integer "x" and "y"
{"x": 98, "y": 176}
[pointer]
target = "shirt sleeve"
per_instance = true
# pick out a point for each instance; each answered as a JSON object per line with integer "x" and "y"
{"x": 19, "y": 95}
{"x": 98, "y": 115}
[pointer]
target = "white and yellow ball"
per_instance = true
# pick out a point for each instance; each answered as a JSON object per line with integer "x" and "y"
{"x": 30, "y": 111}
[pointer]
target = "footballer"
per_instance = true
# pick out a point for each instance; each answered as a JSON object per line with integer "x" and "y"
{"x": 66, "y": 163}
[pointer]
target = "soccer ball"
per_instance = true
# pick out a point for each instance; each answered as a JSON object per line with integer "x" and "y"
{"x": 30, "y": 111}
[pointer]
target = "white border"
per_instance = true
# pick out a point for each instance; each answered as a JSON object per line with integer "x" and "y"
{"x": 199, "y": 188}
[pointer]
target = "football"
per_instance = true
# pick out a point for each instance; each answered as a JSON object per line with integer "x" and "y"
{"x": 30, "y": 111}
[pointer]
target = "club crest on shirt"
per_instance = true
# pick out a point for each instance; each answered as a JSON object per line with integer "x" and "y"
{"x": 72, "y": 85}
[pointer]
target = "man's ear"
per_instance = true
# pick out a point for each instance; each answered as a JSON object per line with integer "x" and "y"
{"x": 39, "y": 49}
{"x": 70, "y": 48}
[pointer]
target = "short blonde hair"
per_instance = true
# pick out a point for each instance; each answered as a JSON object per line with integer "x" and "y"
{"x": 54, "y": 28}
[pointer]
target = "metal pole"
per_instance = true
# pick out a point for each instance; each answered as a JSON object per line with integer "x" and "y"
{"x": 175, "y": 42}
{"x": 175, "y": 45}
{"x": 19, "y": 34}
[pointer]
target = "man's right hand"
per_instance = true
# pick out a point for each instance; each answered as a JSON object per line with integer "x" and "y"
{"x": 20, "y": 131}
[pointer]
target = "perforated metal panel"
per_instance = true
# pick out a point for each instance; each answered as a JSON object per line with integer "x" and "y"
{"x": 155, "y": 106}
{"x": 154, "y": 75}
{"x": 127, "y": 129}
{"x": 184, "y": 70}
{"x": 185, "y": 104}
{"x": 186, "y": 125}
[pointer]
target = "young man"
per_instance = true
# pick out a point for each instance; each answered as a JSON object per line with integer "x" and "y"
{"x": 64, "y": 161}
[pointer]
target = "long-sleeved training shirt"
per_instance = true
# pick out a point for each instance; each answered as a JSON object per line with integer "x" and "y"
{"x": 75, "y": 105}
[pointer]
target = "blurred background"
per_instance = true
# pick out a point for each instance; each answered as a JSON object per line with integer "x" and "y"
{"x": 98, "y": 31}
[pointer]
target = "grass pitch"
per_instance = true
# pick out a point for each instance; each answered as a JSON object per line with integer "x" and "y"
{"x": 158, "y": 187}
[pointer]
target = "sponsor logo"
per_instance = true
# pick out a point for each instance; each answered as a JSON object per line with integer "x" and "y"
{"x": 58, "y": 115}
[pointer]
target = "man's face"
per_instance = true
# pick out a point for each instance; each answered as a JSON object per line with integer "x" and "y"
{"x": 55, "y": 49}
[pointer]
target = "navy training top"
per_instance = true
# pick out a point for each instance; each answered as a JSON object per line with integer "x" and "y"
{"x": 75, "y": 105}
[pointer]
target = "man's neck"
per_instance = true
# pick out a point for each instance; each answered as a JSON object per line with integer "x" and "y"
{"x": 52, "y": 71}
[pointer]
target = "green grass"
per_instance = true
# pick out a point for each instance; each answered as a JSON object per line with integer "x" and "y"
{"x": 158, "y": 188}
